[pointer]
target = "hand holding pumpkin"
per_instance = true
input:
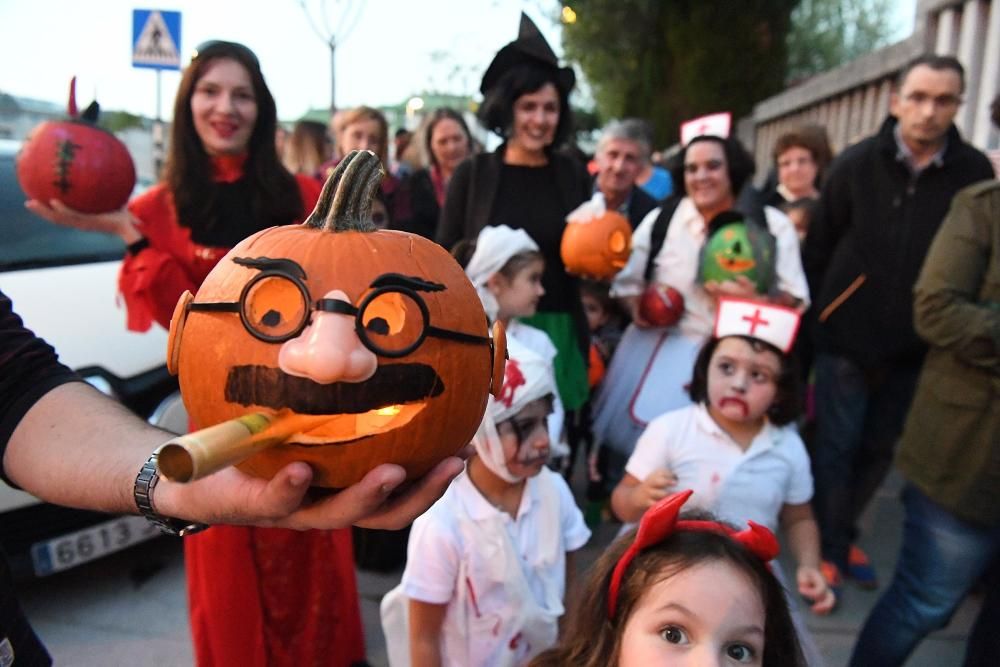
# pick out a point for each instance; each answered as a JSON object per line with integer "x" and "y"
{"x": 233, "y": 497}
{"x": 739, "y": 287}
{"x": 120, "y": 223}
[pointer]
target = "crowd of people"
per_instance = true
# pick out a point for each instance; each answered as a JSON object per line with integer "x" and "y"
{"x": 871, "y": 326}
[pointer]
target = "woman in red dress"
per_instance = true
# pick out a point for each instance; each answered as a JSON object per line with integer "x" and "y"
{"x": 258, "y": 596}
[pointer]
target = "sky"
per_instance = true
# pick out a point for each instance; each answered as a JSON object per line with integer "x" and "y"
{"x": 396, "y": 48}
{"x": 393, "y": 50}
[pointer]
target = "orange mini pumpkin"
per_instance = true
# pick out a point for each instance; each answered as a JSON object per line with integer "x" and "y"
{"x": 377, "y": 333}
{"x": 598, "y": 248}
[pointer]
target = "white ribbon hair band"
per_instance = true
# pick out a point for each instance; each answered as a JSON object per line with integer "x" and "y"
{"x": 494, "y": 248}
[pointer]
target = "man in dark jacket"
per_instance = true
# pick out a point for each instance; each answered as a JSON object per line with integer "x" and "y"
{"x": 950, "y": 448}
{"x": 621, "y": 152}
{"x": 883, "y": 201}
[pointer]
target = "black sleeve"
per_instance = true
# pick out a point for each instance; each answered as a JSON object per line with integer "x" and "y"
{"x": 29, "y": 368}
{"x": 451, "y": 227}
{"x": 829, "y": 224}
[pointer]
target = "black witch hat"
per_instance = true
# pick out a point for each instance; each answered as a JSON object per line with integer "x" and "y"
{"x": 530, "y": 48}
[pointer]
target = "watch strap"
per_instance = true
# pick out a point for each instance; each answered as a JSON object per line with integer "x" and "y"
{"x": 145, "y": 484}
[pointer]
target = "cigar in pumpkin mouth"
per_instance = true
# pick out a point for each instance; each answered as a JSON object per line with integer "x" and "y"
{"x": 303, "y": 406}
{"x": 189, "y": 457}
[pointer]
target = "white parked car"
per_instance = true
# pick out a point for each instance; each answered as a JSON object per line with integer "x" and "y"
{"x": 63, "y": 284}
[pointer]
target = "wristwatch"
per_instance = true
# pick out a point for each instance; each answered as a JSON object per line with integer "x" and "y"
{"x": 145, "y": 483}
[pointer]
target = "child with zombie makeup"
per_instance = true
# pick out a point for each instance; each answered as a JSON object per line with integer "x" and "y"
{"x": 505, "y": 266}
{"x": 737, "y": 448}
{"x": 488, "y": 564}
{"x": 681, "y": 590}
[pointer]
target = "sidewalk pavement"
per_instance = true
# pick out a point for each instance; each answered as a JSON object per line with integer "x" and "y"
{"x": 133, "y": 603}
{"x": 834, "y": 634}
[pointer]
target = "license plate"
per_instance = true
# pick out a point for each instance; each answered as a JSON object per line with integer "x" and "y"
{"x": 85, "y": 545}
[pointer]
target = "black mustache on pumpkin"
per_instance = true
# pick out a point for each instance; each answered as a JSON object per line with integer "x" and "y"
{"x": 392, "y": 384}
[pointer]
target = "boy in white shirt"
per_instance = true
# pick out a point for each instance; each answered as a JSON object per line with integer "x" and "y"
{"x": 488, "y": 564}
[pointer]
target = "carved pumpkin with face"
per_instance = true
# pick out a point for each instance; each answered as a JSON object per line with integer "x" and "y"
{"x": 738, "y": 247}
{"x": 598, "y": 248}
{"x": 379, "y": 334}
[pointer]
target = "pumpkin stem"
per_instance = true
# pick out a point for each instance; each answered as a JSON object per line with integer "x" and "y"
{"x": 345, "y": 204}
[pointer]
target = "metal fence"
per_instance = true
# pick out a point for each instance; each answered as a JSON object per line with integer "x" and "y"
{"x": 852, "y": 100}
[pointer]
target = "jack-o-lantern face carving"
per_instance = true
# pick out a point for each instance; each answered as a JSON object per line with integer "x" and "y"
{"x": 377, "y": 334}
{"x": 598, "y": 248}
{"x": 738, "y": 247}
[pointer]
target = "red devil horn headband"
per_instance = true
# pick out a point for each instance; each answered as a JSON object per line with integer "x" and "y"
{"x": 660, "y": 522}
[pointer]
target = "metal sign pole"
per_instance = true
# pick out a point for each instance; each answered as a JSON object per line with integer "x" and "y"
{"x": 158, "y": 129}
{"x": 156, "y": 44}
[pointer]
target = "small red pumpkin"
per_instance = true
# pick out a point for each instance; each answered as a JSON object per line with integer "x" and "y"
{"x": 283, "y": 308}
{"x": 598, "y": 248}
{"x": 661, "y": 305}
{"x": 84, "y": 166}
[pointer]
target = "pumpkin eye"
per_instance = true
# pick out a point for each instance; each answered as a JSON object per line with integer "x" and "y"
{"x": 392, "y": 321}
{"x": 273, "y": 306}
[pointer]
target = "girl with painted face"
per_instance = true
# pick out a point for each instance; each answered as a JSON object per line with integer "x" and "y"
{"x": 681, "y": 590}
{"x": 737, "y": 447}
{"x": 488, "y": 564}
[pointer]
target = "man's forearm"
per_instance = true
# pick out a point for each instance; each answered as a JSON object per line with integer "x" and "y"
{"x": 77, "y": 447}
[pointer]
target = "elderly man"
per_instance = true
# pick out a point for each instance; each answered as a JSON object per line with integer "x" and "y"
{"x": 882, "y": 203}
{"x": 621, "y": 153}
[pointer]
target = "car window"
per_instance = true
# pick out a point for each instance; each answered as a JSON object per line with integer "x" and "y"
{"x": 27, "y": 241}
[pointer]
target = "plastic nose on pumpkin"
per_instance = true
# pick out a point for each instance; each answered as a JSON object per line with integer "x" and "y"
{"x": 328, "y": 350}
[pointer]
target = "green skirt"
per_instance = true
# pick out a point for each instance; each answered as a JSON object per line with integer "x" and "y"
{"x": 570, "y": 366}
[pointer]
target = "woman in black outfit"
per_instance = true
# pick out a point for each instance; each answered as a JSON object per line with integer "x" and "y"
{"x": 447, "y": 143}
{"x": 526, "y": 184}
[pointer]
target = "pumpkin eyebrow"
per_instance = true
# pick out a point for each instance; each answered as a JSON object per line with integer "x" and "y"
{"x": 413, "y": 282}
{"x": 286, "y": 266}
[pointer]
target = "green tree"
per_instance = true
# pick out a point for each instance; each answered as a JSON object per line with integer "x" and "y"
{"x": 828, "y": 33}
{"x": 671, "y": 60}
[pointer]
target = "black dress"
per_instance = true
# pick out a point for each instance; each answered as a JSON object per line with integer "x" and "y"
{"x": 485, "y": 191}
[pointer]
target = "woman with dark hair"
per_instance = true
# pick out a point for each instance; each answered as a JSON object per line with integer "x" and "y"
{"x": 446, "y": 143}
{"x": 527, "y": 184}
{"x": 651, "y": 368}
{"x": 257, "y": 596}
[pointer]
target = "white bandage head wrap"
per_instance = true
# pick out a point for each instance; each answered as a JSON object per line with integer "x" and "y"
{"x": 527, "y": 377}
{"x": 494, "y": 248}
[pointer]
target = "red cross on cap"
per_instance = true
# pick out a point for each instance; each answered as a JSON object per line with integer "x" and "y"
{"x": 755, "y": 320}
{"x": 772, "y": 324}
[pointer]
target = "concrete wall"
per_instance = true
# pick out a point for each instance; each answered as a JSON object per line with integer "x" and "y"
{"x": 852, "y": 100}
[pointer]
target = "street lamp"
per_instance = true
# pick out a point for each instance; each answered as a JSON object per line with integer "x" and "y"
{"x": 413, "y": 105}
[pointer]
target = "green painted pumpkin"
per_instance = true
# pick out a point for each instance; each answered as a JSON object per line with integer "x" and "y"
{"x": 737, "y": 246}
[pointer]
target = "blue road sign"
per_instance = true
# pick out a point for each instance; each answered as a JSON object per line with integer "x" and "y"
{"x": 156, "y": 39}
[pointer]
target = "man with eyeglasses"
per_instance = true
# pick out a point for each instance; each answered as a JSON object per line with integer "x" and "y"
{"x": 881, "y": 205}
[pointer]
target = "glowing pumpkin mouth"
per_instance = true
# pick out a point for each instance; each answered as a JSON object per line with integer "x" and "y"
{"x": 341, "y": 429}
{"x": 734, "y": 264}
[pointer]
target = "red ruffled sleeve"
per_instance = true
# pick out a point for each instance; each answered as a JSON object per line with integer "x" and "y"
{"x": 152, "y": 280}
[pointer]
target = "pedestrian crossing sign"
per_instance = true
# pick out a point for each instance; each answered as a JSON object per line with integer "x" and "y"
{"x": 156, "y": 39}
